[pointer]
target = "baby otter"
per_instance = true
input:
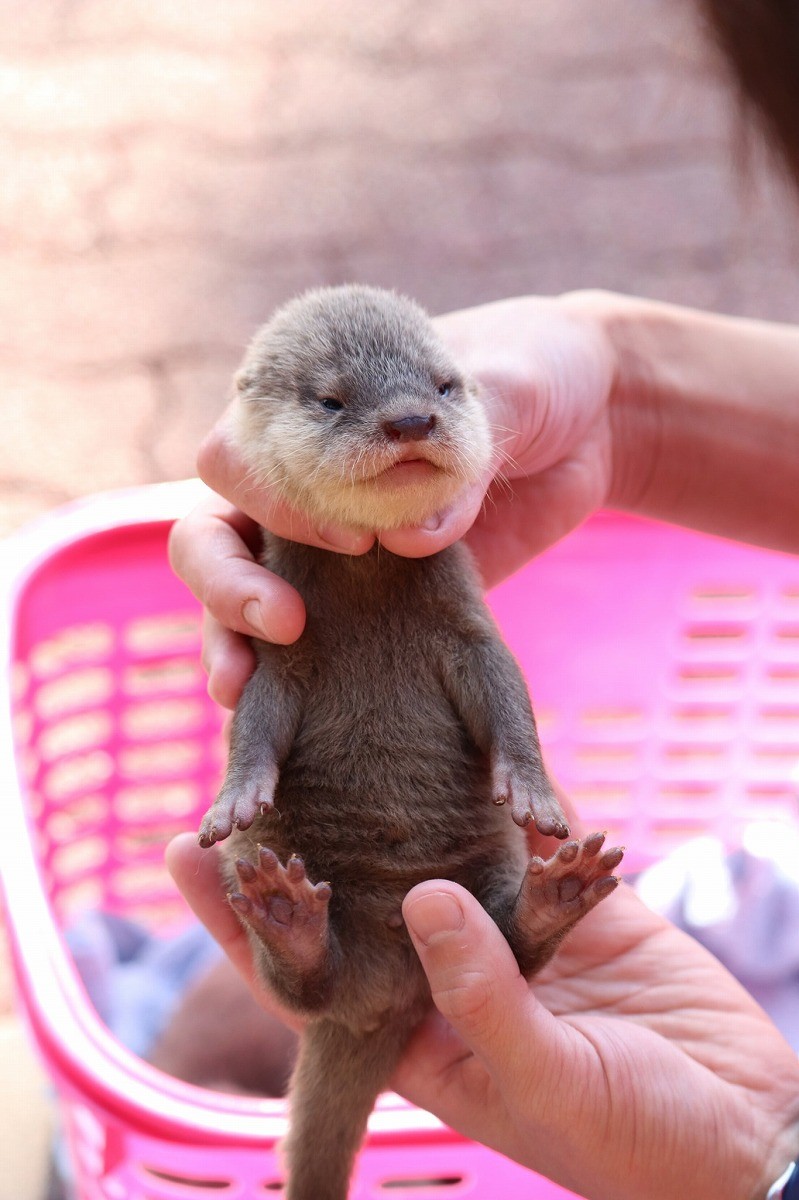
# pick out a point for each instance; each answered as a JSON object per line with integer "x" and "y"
{"x": 379, "y": 749}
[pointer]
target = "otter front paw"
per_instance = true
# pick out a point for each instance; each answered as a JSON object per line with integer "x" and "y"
{"x": 528, "y": 794}
{"x": 234, "y": 808}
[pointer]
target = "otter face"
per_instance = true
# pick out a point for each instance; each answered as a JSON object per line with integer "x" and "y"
{"x": 353, "y": 411}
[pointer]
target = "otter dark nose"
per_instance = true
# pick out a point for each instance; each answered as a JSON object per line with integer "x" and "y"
{"x": 409, "y": 429}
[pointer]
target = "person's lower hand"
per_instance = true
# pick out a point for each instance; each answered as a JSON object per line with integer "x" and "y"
{"x": 634, "y": 1065}
{"x": 546, "y": 370}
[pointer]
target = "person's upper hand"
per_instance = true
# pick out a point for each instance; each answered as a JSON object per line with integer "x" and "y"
{"x": 546, "y": 371}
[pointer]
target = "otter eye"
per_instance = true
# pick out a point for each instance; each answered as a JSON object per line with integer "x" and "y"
{"x": 331, "y": 403}
{"x": 444, "y": 389}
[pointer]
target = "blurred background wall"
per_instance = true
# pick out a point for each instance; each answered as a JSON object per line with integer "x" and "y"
{"x": 175, "y": 168}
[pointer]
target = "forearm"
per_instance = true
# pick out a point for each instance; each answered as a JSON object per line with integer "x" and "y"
{"x": 705, "y": 419}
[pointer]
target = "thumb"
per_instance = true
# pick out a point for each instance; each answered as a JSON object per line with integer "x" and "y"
{"x": 477, "y": 986}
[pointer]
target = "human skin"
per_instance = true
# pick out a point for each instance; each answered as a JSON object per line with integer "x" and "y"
{"x": 634, "y": 1080}
{"x": 595, "y": 400}
{"x": 636, "y": 1065}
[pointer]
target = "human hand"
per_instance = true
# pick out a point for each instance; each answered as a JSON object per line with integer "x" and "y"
{"x": 634, "y": 1066}
{"x": 546, "y": 370}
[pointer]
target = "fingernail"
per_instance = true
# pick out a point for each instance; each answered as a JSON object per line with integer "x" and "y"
{"x": 433, "y": 916}
{"x": 342, "y": 539}
{"x": 251, "y": 612}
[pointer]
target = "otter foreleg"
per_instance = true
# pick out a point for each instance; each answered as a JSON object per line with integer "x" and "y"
{"x": 263, "y": 729}
{"x": 287, "y": 919}
{"x": 487, "y": 690}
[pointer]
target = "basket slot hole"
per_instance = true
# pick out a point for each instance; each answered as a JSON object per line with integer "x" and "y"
{"x": 77, "y": 644}
{"x": 723, "y": 591}
{"x": 166, "y": 676}
{"x": 778, "y": 752}
{"x": 602, "y": 795}
{"x": 162, "y": 758}
{"x": 716, "y": 632}
{"x": 703, "y": 714}
{"x": 783, "y": 673}
{"x": 163, "y": 633}
{"x": 783, "y": 714}
{"x": 138, "y": 844}
{"x": 80, "y": 774}
{"x": 162, "y": 912}
{"x": 73, "y": 899}
{"x": 435, "y": 1183}
{"x": 141, "y": 881}
{"x": 681, "y": 752}
{"x": 159, "y": 718}
{"x": 73, "y": 819}
{"x": 79, "y": 858}
{"x": 76, "y": 690}
{"x": 606, "y": 753}
{"x": 760, "y": 792}
{"x": 787, "y": 633}
{"x": 687, "y": 791}
{"x": 183, "y": 1182}
{"x": 668, "y": 834}
{"x": 168, "y": 800}
{"x": 708, "y": 672}
{"x": 19, "y": 681}
{"x": 75, "y": 733}
{"x": 22, "y": 726}
{"x": 613, "y": 723}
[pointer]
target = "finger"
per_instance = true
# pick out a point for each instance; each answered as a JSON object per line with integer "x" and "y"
{"x": 476, "y": 985}
{"x": 228, "y": 659}
{"x": 440, "y": 531}
{"x": 198, "y": 876}
{"x": 517, "y": 524}
{"x": 222, "y": 466}
{"x": 208, "y": 550}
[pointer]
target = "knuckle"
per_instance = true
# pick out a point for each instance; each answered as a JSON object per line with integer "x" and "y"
{"x": 220, "y": 597}
{"x": 175, "y": 545}
{"x": 208, "y": 457}
{"x": 466, "y": 1001}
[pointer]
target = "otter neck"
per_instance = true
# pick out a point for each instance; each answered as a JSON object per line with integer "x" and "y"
{"x": 359, "y": 582}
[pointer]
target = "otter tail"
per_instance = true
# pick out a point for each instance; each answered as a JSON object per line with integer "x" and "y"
{"x": 333, "y": 1089}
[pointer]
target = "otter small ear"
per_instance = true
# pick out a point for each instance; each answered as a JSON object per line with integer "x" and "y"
{"x": 243, "y": 380}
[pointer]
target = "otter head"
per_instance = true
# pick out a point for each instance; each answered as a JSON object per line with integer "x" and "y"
{"x": 352, "y": 409}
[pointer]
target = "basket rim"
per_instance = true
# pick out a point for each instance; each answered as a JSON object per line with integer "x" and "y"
{"x": 76, "y": 1045}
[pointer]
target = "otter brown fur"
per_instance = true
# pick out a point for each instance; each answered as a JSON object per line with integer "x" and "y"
{"x": 395, "y": 740}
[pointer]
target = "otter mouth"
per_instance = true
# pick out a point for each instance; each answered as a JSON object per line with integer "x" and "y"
{"x": 409, "y": 465}
{"x": 408, "y": 470}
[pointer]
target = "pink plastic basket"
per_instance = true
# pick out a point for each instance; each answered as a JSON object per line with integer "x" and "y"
{"x": 665, "y": 671}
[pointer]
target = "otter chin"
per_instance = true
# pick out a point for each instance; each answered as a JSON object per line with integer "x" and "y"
{"x": 352, "y": 410}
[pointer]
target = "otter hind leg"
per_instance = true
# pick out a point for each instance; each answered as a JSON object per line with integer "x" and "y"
{"x": 287, "y": 918}
{"x": 554, "y": 895}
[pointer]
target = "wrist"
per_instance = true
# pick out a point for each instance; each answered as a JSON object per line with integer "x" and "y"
{"x": 703, "y": 418}
{"x": 634, "y": 399}
{"x": 787, "y": 1186}
{"x": 780, "y": 1164}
